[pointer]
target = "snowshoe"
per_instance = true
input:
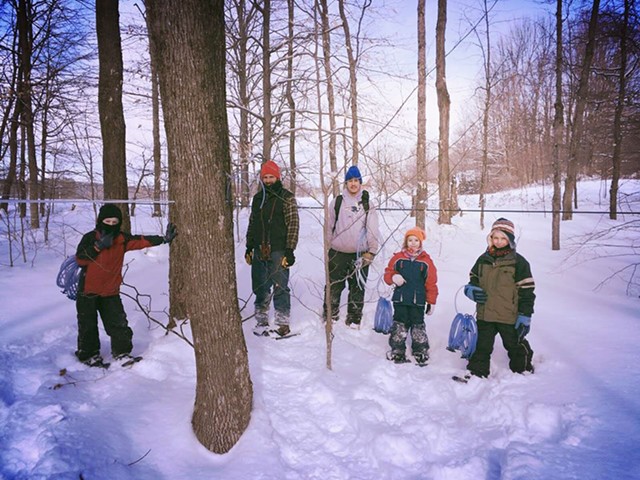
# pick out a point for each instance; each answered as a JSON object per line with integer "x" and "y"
{"x": 282, "y": 331}
{"x": 397, "y": 357}
{"x": 421, "y": 359}
{"x": 261, "y": 330}
{"x": 127, "y": 360}
{"x": 96, "y": 361}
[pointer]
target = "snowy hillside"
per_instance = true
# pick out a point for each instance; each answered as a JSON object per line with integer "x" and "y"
{"x": 577, "y": 417}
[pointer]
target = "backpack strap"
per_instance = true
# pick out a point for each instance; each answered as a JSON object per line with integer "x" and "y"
{"x": 338, "y": 204}
{"x": 365, "y": 200}
{"x": 337, "y": 210}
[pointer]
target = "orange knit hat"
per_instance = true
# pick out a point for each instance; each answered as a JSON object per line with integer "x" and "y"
{"x": 416, "y": 232}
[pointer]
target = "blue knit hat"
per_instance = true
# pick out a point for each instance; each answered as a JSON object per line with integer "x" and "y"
{"x": 353, "y": 172}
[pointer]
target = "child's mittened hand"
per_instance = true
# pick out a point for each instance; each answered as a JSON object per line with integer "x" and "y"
{"x": 106, "y": 240}
{"x": 398, "y": 280}
{"x": 476, "y": 294}
{"x": 430, "y": 309}
{"x": 523, "y": 325}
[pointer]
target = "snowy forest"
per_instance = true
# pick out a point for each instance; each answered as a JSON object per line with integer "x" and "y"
{"x": 169, "y": 107}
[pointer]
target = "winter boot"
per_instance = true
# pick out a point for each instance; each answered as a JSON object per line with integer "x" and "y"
{"x": 397, "y": 357}
{"x": 421, "y": 357}
{"x": 282, "y": 330}
{"x": 96, "y": 361}
{"x": 261, "y": 330}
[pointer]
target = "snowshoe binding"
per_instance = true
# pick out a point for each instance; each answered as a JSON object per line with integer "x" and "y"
{"x": 397, "y": 357}
{"x": 127, "y": 360}
{"x": 261, "y": 330}
{"x": 96, "y": 361}
{"x": 421, "y": 359}
{"x": 461, "y": 378}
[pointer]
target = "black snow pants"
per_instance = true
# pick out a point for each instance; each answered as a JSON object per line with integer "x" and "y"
{"x": 519, "y": 351}
{"x": 114, "y": 320}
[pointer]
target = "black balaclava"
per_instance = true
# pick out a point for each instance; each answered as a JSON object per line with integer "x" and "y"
{"x": 109, "y": 210}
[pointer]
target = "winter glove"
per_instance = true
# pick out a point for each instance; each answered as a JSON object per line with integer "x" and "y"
{"x": 367, "y": 258}
{"x": 523, "y": 325}
{"x": 171, "y": 233}
{"x": 398, "y": 279}
{"x": 106, "y": 240}
{"x": 430, "y": 309}
{"x": 476, "y": 294}
{"x": 248, "y": 256}
{"x": 289, "y": 258}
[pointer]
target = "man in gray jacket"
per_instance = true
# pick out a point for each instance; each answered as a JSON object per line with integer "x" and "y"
{"x": 353, "y": 233}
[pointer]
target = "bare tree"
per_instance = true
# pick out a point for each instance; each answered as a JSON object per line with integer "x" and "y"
{"x": 570, "y": 193}
{"x": 266, "y": 81}
{"x": 421, "y": 147}
{"x": 328, "y": 73}
{"x": 444, "y": 103}
{"x": 353, "y": 81}
{"x": 290, "y": 100}
{"x": 189, "y": 36}
{"x": 25, "y": 42}
{"x": 244, "y": 65}
{"x": 114, "y": 161}
{"x": 617, "y": 119}
{"x": 155, "y": 121}
{"x": 558, "y": 124}
{"x": 486, "y": 57}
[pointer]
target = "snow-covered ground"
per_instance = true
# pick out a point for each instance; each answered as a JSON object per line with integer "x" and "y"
{"x": 577, "y": 417}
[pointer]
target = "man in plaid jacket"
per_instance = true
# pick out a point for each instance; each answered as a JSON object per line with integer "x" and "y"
{"x": 272, "y": 237}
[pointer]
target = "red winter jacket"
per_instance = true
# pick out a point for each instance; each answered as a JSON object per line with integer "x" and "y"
{"x": 102, "y": 269}
{"x": 420, "y": 275}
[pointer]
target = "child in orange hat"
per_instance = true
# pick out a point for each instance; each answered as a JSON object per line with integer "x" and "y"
{"x": 415, "y": 277}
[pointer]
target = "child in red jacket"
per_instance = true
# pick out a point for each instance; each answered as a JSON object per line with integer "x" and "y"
{"x": 101, "y": 256}
{"x": 416, "y": 290}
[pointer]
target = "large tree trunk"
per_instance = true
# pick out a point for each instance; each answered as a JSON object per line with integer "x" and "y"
{"x": 114, "y": 161}
{"x": 444, "y": 103}
{"x": 558, "y": 125}
{"x": 420, "y": 202}
{"x": 578, "y": 116}
{"x": 617, "y": 118}
{"x": 189, "y": 35}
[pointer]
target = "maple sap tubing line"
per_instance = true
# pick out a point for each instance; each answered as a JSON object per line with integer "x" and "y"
{"x": 78, "y": 200}
{"x": 387, "y": 209}
{"x": 487, "y": 210}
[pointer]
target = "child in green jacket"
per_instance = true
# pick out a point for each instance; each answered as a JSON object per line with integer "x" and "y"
{"x": 502, "y": 286}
